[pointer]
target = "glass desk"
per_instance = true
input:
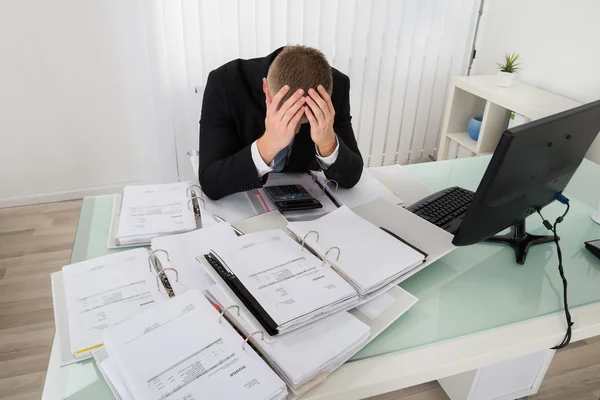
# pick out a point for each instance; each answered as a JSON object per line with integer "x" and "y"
{"x": 473, "y": 289}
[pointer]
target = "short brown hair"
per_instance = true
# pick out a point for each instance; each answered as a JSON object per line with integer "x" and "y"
{"x": 300, "y": 67}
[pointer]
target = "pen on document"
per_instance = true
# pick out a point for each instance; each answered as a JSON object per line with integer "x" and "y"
{"x": 220, "y": 219}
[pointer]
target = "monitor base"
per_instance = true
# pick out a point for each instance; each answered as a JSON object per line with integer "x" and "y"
{"x": 520, "y": 240}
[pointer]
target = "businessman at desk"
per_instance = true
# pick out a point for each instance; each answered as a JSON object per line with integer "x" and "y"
{"x": 286, "y": 112}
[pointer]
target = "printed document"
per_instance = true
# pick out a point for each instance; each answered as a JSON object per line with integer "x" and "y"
{"x": 369, "y": 257}
{"x": 289, "y": 282}
{"x": 104, "y": 291}
{"x": 178, "y": 350}
{"x": 148, "y": 211}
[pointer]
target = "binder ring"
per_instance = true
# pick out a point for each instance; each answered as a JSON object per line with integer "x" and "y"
{"x": 305, "y": 236}
{"x": 199, "y": 198}
{"x": 336, "y": 184}
{"x": 225, "y": 310}
{"x": 157, "y": 251}
{"x": 188, "y": 192}
{"x": 262, "y": 337}
{"x": 332, "y": 248}
{"x": 163, "y": 272}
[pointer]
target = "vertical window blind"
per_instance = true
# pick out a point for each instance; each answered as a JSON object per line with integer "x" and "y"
{"x": 399, "y": 55}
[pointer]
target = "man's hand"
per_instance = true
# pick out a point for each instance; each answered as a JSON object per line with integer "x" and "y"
{"x": 280, "y": 123}
{"x": 320, "y": 114}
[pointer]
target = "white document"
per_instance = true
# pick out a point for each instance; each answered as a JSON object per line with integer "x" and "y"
{"x": 104, "y": 291}
{"x": 300, "y": 356}
{"x": 185, "y": 247}
{"x": 369, "y": 257}
{"x": 112, "y": 374}
{"x": 368, "y": 188}
{"x": 288, "y": 282}
{"x": 148, "y": 211}
{"x": 179, "y": 351}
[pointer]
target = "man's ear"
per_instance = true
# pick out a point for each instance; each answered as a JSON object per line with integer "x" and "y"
{"x": 266, "y": 90}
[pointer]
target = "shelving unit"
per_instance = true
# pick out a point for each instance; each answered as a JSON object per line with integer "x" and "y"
{"x": 472, "y": 96}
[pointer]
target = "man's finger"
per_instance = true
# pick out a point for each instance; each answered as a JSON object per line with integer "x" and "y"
{"x": 294, "y": 121}
{"x": 290, "y": 102}
{"x": 292, "y": 111}
{"x": 325, "y": 96}
{"x": 311, "y": 117}
{"x": 322, "y": 105}
{"x": 317, "y": 112}
{"x": 277, "y": 98}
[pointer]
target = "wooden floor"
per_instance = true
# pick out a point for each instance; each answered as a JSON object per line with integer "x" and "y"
{"x": 36, "y": 241}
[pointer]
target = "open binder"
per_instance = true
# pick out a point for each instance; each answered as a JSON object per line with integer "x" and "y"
{"x": 164, "y": 277}
{"x": 428, "y": 238}
{"x": 195, "y": 204}
{"x": 183, "y": 348}
{"x": 268, "y": 285}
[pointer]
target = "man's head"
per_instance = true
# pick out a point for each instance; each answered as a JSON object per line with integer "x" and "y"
{"x": 299, "y": 67}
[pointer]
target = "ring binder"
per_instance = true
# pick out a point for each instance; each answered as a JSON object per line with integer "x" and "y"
{"x": 305, "y": 236}
{"x": 262, "y": 337}
{"x": 198, "y": 198}
{"x": 163, "y": 271}
{"x": 332, "y": 248}
{"x": 157, "y": 251}
{"x": 336, "y": 184}
{"x": 188, "y": 192}
{"x": 225, "y": 310}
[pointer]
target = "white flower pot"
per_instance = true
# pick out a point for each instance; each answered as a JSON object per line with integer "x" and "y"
{"x": 505, "y": 79}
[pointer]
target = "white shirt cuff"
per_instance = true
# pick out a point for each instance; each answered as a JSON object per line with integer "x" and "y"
{"x": 326, "y": 162}
{"x": 261, "y": 167}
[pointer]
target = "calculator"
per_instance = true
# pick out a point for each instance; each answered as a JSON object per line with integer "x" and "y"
{"x": 292, "y": 198}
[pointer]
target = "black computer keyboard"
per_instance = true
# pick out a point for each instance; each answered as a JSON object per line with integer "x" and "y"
{"x": 446, "y": 208}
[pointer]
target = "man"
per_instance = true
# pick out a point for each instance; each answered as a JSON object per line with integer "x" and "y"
{"x": 295, "y": 120}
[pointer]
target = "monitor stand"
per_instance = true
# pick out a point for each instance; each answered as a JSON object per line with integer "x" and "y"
{"x": 520, "y": 240}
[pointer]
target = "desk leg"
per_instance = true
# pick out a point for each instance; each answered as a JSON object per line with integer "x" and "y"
{"x": 511, "y": 379}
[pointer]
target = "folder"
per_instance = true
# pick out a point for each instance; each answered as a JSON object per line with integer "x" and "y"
{"x": 190, "y": 200}
{"x": 185, "y": 349}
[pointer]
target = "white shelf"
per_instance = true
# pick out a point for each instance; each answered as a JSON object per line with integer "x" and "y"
{"x": 471, "y": 96}
{"x": 532, "y": 102}
{"x": 463, "y": 139}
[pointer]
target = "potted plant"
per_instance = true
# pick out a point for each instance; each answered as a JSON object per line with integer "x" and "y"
{"x": 510, "y": 66}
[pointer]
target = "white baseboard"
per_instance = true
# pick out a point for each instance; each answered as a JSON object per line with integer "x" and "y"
{"x": 64, "y": 195}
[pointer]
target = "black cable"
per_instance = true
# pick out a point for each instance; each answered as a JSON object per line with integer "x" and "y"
{"x": 553, "y": 228}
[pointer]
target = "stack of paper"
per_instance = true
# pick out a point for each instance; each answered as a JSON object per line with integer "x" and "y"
{"x": 291, "y": 285}
{"x": 369, "y": 258}
{"x": 103, "y": 292}
{"x": 179, "y": 350}
{"x": 148, "y": 211}
{"x": 305, "y": 357}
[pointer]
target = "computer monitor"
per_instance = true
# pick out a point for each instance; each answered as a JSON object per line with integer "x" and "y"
{"x": 532, "y": 163}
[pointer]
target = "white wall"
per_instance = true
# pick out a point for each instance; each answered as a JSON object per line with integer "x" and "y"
{"x": 77, "y": 114}
{"x": 558, "y": 41}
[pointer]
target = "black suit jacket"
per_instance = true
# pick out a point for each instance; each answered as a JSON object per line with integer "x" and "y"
{"x": 233, "y": 117}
